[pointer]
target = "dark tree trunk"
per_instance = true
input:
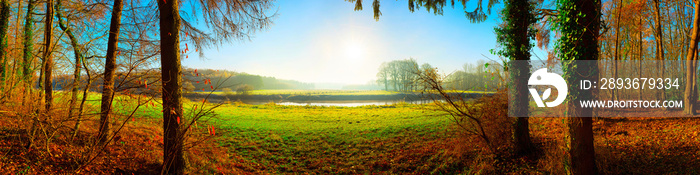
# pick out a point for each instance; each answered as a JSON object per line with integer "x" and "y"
{"x": 617, "y": 47}
{"x": 48, "y": 60}
{"x": 78, "y": 60}
{"x": 691, "y": 94}
{"x": 171, "y": 70}
{"x": 520, "y": 13}
{"x": 4, "y": 21}
{"x": 582, "y": 150}
{"x": 660, "y": 44}
{"x": 641, "y": 54}
{"x": 110, "y": 66}
{"x": 26, "y": 62}
{"x": 28, "y": 45}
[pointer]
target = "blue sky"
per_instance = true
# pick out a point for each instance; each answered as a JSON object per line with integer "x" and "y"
{"x": 326, "y": 41}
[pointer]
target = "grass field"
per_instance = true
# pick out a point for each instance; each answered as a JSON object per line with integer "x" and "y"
{"x": 388, "y": 139}
{"x": 275, "y": 139}
{"x": 303, "y": 139}
{"x": 400, "y": 138}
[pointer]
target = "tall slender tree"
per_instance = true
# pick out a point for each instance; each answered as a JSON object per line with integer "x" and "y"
{"x": 514, "y": 35}
{"x": 65, "y": 26}
{"x": 617, "y": 46}
{"x": 173, "y": 160}
{"x": 691, "y": 87}
{"x": 28, "y": 46}
{"x": 227, "y": 20}
{"x": 27, "y": 59}
{"x": 48, "y": 60}
{"x": 4, "y": 21}
{"x": 110, "y": 67}
{"x": 659, "y": 43}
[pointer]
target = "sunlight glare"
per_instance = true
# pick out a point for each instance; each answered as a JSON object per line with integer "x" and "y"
{"x": 354, "y": 52}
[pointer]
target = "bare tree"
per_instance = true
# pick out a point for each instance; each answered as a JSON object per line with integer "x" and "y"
{"x": 48, "y": 60}
{"x": 110, "y": 67}
{"x": 485, "y": 117}
{"x": 659, "y": 42}
{"x": 76, "y": 53}
{"x": 691, "y": 87}
{"x": 228, "y": 20}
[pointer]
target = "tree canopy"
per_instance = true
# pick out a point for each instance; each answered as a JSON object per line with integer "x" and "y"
{"x": 436, "y": 7}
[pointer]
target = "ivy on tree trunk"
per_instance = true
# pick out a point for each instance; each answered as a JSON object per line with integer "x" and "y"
{"x": 579, "y": 24}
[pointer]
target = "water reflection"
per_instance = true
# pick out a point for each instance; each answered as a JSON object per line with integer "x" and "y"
{"x": 343, "y": 103}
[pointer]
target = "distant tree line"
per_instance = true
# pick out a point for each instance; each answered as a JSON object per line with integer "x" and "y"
{"x": 475, "y": 76}
{"x": 235, "y": 80}
{"x": 199, "y": 80}
{"x": 402, "y": 75}
{"x": 369, "y": 86}
{"x": 398, "y": 75}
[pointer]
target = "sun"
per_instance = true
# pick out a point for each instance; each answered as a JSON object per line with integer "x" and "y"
{"x": 353, "y": 51}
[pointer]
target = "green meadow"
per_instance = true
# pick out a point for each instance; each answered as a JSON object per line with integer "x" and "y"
{"x": 296, "y": 139}
{"x": 276, "y": 139}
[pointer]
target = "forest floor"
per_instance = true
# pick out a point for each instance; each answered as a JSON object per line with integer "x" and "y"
{"x": 392, "y": 139}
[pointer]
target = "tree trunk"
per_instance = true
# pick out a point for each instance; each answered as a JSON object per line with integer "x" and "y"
{"x": 641, "y": 53}
{"x": 4, "y": 21}
{"x": 26, "y": 62}
{"x": 110, "y": 66}
{"x": 617, "y": 45}
{"x": 660, "y": 44}
{"x": 171, "y": 70}
{"x": 39, "y": 82}
{"x": 82, "y": 102}
{"x": 582, "y": 151}
{"x": 691, "y": 64}
{"x": 519, "y": 14}
{"x": 691, "y": 94}
{"x": 48, "y": 60}
{"x": 18, "y": 38}
{"x": 28, "y": 45}
{"x": 585, "y": 29}
{"x": 386, "y": 86}
{"x": 78, "y": 59}
{"x": 395, "y": 81}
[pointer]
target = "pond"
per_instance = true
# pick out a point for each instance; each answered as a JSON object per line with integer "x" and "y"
{"x": 340, "y": 103}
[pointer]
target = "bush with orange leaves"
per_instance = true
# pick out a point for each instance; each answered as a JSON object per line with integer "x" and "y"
{"x": 484, "y": 118}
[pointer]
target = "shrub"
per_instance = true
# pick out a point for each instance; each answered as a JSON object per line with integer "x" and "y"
{"x": 485, "y": 118}
{"x": 244, "y": 89}
{"x": 227, "y": 91}
{"x": 498, "y": 127}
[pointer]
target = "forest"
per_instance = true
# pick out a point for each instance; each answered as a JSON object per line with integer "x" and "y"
{"x": 100, "y": 87}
